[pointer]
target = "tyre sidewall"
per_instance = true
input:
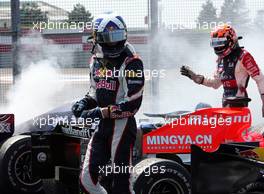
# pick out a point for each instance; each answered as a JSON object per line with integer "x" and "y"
{"x": 172, "y": 171}
{"x": 10, "y": 180}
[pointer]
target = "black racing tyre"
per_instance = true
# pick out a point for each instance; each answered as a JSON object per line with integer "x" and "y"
{"x": 160, "y": 176}
{"x": 15, "y": 167}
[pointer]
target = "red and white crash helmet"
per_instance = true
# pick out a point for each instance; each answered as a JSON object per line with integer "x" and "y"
{"x": 223, "y": 40}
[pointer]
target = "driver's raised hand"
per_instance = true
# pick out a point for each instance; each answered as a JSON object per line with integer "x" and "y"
{"x": 186, "y": 71}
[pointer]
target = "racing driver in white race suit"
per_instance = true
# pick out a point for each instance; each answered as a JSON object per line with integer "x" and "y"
{"x": 235, "y": 66}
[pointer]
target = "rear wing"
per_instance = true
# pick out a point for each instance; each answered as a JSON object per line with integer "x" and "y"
{"x": 7, "y": 126}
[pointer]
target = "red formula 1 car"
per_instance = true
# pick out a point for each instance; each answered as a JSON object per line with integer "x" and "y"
{"x": 207, "y": 128}
{"x": 225, "y": 148}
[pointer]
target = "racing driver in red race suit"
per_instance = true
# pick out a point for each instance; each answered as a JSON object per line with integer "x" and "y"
{"x": 235, "y": 66}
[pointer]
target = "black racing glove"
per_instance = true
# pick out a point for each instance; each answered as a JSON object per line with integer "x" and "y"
{"x": 186, "y": 71}
{"x": 78, "y": 108}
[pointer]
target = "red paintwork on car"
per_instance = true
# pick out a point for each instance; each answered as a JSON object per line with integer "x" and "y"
{"x": 223, "y": 125}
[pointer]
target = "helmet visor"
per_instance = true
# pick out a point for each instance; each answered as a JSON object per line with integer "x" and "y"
{"x": 218, "y": 42}
{"x": 112, "y": 36}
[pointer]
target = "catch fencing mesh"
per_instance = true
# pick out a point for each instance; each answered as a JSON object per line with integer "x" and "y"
{"x": 166, "y": 34}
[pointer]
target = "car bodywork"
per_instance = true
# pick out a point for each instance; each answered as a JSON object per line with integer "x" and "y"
{"x": 6, "y": 126}
{"x": 233, "y": 168}
{"x": 226, "y": 153}
{"x": 207, "y": 128}
{"x": 58, "y": 147}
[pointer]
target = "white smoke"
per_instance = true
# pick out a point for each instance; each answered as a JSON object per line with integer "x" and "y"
{"x": 35, "y": 91}
{"x": 176, "y": 91}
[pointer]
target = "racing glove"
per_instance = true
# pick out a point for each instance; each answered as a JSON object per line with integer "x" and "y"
{"x": 78, "y": 108}
{"x": 86, "y": 103}
{"x": 186, "y": 71}
{"x": 93, "y": 114}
